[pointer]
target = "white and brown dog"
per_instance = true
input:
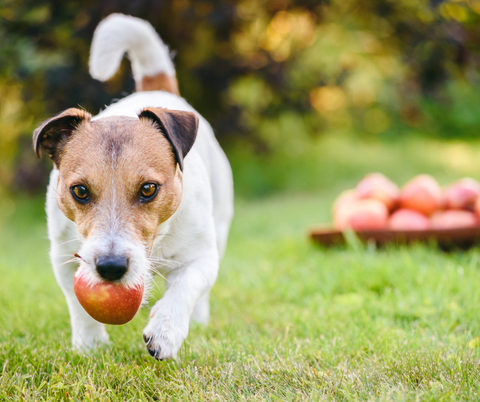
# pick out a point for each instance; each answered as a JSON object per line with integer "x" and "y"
{"x": 142, "y": 187}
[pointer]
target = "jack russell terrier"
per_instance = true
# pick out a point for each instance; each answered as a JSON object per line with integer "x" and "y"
{"x": 142, "y": 187}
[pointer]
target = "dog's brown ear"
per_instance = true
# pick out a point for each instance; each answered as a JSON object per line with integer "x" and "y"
{"x": 178, "y": 127}
{"x": 53, "y": 134}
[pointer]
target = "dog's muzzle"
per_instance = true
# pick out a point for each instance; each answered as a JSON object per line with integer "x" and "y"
{"x": 112, "y": 267}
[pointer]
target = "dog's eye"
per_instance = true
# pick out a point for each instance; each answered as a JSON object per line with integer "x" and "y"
{"x": 148, "y": 191}
{"x": 80, "y": 193}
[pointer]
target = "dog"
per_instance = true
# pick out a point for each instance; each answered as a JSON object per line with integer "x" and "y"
{"x": 142, "y": 187}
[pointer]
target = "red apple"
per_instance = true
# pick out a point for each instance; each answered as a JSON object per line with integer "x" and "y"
{"x": 422, "y": 194}
{"x": 345, "y": 197}
{"x": 408, "y": 219}
{"x": 341, "y": 206}
{"x": 452, "y": 219}
{"x": 462, "y": 194}
{"x": 379, "y": 187}
{"x": 363, "y": 215}
{"x": 476, "y": 208}
{"x": 107, "y": 302}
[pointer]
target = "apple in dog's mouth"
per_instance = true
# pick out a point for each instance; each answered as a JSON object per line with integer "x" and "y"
{"x": 108, "y": 302}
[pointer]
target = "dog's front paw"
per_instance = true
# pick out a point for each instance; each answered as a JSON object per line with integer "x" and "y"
{"x": 164, "y": 335}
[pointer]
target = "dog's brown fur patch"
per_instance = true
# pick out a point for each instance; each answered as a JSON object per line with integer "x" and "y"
{"x": 179, "y": 128}
{"x": 113, "y": 157}
{"x": 159, "y": 82}
{"x": 53, "y": 134}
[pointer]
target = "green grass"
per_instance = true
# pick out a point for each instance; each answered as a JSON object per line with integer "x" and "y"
{"x": 290, "y": 321}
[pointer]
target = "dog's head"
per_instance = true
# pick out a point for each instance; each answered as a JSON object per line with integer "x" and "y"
{"x": 120, "y": 178}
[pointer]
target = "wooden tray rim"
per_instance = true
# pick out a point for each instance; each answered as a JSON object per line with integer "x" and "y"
{"x": 325, "y": 234}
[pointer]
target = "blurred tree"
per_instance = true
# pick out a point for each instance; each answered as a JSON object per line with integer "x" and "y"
{"x": 258, "y": 70}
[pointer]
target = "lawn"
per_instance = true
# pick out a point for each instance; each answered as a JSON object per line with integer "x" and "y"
{"x": 290, "y": 321}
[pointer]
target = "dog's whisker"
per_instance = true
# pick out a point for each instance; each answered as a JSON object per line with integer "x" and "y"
{"x": 158, "y": 287}
{"x": 155, "y": 258}
{"x": 74, "y": 259}
{"x": 153, "y": 269}
{"x": 162, "y": 267}
{"x": 159, "y": 274}
{"x": 156, "y": 284}
{"x": 65, "y": 242}
{"x": 161, "y": 270}
{"x": 166, "y": 263}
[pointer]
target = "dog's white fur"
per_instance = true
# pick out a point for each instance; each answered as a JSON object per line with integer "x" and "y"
{"x": 191, "y": 241}
{"x": 120, "y": 33}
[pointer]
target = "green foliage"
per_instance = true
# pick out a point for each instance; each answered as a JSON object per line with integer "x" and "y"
{"x": 457, "y": 116}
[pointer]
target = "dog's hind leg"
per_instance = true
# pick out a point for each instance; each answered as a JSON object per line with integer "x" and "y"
{"x": 201, "y": 312}
{"x": 222, "y": 218}
{"x": 222, "y": 195}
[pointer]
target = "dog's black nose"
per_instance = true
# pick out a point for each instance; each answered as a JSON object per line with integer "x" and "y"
{"x": 112, "y": 267}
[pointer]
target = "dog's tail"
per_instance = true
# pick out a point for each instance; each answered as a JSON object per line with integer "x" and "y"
{"x": 151, "y": 63}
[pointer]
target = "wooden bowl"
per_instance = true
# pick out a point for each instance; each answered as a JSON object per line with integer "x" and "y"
{"x": 447, "y": 239}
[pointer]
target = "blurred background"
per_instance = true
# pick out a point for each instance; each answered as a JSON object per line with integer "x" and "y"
{"x": 302, "y": 94}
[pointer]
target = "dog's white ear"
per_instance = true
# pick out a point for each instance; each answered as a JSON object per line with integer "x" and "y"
{"x": 178, "y": 127}
{"x": 53, "y": 134}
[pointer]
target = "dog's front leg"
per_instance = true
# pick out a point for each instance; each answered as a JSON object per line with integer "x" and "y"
{"x": 170, "y": 317}
{"x": 86, "y": 332}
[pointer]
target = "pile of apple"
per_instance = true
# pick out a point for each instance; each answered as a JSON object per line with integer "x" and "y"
{"x": 378, "y": 203}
